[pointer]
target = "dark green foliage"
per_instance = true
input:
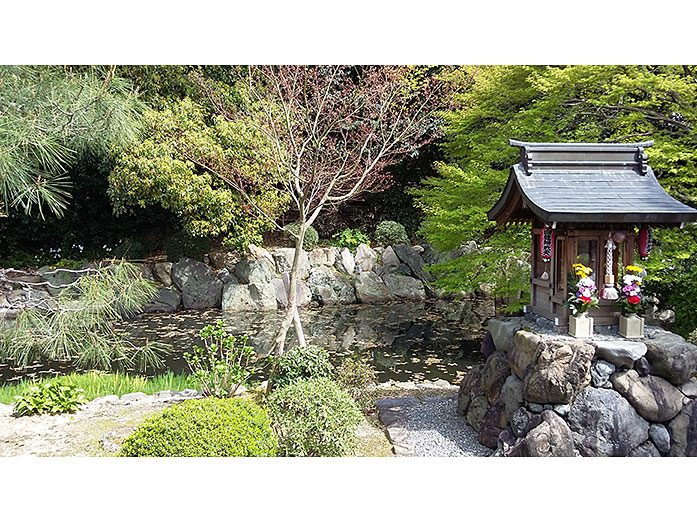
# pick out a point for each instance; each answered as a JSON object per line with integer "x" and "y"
{"x": 314, "y": 417}
{"x": 311, "y": 236}
{"x": 350, "y": 238}
{"x": 131, "y": 249}
{"x": 301, "y": 363}
{"x": 209, "y": 427}
{"x": 51, "y": 397}
{"x": 182, "y": 245}
{"x": 390, "y": 233}
{"x": 360, "y": 380}
{"x": 222, "y": 364}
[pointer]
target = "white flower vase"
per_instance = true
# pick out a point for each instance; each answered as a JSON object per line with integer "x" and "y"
{"x": 631, "y": 326}
{"x": 581, "y": 325}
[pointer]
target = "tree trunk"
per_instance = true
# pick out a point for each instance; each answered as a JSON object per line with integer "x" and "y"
{"x": 291, "y": 308}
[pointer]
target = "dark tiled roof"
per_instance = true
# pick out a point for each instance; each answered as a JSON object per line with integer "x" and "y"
{"x": 566, "y": 182}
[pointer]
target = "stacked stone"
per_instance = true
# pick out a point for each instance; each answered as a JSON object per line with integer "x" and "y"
{"x": 543, "y": 395}
{"x": 328, "y": 276}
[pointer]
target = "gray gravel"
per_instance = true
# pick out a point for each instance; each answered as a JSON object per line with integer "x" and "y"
{"x": 435, "y": 429}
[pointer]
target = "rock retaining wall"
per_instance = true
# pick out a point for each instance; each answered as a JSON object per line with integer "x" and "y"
{"x": 544, "y": 394}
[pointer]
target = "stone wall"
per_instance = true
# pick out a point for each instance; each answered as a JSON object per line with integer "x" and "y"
{"x": 328, "y": 276}
{"x": 544, "y": 394}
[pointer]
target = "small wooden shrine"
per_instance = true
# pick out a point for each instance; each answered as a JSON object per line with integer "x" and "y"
{"x": 588, "y": 203}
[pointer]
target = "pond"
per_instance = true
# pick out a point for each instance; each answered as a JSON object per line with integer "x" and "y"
{"x": 403, "y": 341}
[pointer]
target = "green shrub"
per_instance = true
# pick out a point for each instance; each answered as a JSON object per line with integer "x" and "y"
{"x": 131, "y": 250}
{"x": 181, "y": 245}
{"x": 222, "y": 364}
{"x": 390, "y": 233}
{"x": 301, "y": 363}
{"x": 311, "y": 235}
{"x": 360, "y": 380}
{"x": 207, "y": 427}
{"x": 314, "y": 418}
{"x": 51, "y": 397}
{"x": 350, "y": 238}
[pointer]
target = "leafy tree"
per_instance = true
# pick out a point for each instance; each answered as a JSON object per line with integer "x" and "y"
{"x": 332, "y": 132}
{"x": 543, "y": 104}
{"x": 172, "y": 165}
{"x": 49, "y": 117}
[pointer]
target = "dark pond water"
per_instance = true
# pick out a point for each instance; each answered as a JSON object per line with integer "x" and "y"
{"x": 403, "y": 341}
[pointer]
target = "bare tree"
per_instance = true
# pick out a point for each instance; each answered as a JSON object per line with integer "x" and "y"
{"x": 331, "y": 132}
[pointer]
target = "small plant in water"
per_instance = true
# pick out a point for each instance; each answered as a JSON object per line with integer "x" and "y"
{"x": 222, "y": 364}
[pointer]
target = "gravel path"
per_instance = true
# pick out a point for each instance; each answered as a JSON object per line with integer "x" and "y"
{"x": 428, "y": 427}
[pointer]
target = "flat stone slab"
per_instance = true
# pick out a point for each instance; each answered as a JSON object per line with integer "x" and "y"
{"x": 621, "y": 353}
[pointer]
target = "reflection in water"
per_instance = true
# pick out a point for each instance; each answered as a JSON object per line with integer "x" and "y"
{"x": 403, "y": 341}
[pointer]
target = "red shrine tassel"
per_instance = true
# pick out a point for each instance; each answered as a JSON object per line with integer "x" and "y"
{"x": 547, "y": 243}
{"x": 645, "y": 242}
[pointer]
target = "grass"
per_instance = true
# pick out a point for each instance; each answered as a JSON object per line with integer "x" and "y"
{"x": 96, "y": 384}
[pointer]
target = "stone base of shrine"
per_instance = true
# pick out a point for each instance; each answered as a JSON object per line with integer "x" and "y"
{"x": 544, "y": 393}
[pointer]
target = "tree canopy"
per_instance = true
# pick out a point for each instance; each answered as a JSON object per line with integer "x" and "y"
{"x": 543, "y": 104}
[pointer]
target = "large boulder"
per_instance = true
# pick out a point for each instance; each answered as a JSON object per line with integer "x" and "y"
{"x": 166, "y": 300}
{"x": 365, "y": 258}
{"x": 645, "y": 450}
{"x": 404, "y": 287}
{"x": 390, "y": 260}
{"x": 259, "y": 271}
{"x": 470, "y": 388}
{"x": 512, "y": 395}
{"x": 199, "y": 284}
{"x": 345, "y": 261}
{"x": 328, "y": 287}
{"x": 660, "y": 437}
{"x": 371, "y": 289}
{"x": 622, "y": 353}
{"x": 522, "y": 353}
{"x": 601, "y": 371}
{"x": 683, "y": 431}
{"x": 603, "y": 423}
{"x": 671, "y": 357}
{"x": 284, "y": 262}
{"x": 58, "y": 279}
{"x": 653, "y": 398}
{"x": 503, "y": 330}
{"x": 550, "y": 438}
{"x": 225, "y": 260}
{"x": 494, "y": 375}
{"x": 163, "y": 272}
{"x": 493, "y": 423}
{"x": 303, "y": 293}
{"x": 561, "y": 370}
{"x": 487, "y": 348}
{"x": 477, "y": 411}
{"x": 322, "y": 256}
{"x": 689, "y": 388}
{"x": 413, "y": 260}
{"x": 523, "y": 421}
{"x": 249, "y": 297}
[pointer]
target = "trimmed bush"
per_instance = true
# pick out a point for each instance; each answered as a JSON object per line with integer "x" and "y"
{"x": 301, "y": 363}
{"x": 360, "y": 380}
{"x": 203, "y": 428}
{"x": 311, "y": 238}
{"x": 350, "y": 238}
{"x": 390, "y": 233}
{"x": 314, "y": 417}
{"x": 181, "y": 245}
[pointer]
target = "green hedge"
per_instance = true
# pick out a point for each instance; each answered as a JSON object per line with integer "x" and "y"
{"x": 207, "y": 427}
{"x": 301, "y": 363}
{"x": 390, "y": 233}
{"x": 314, "y": 417}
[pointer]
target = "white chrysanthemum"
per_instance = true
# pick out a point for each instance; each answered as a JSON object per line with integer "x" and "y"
{"x": 586, "y": 282}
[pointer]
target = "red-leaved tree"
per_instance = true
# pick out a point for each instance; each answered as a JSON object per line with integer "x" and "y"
{"x": 331, "y": 132}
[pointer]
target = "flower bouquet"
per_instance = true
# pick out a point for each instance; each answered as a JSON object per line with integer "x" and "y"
{"x": 581, "y": 298}
{"x": 632, "y": 301}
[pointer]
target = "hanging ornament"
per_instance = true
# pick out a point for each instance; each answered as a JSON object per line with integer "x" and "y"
{"x": 608, "y": 292}
{"x": 547, "y": 243}
{"x": 645, "y": 242}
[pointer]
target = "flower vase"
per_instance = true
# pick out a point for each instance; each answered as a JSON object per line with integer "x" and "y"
{"x": 631, "y": 326}
{"x": 581, "y": 325}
